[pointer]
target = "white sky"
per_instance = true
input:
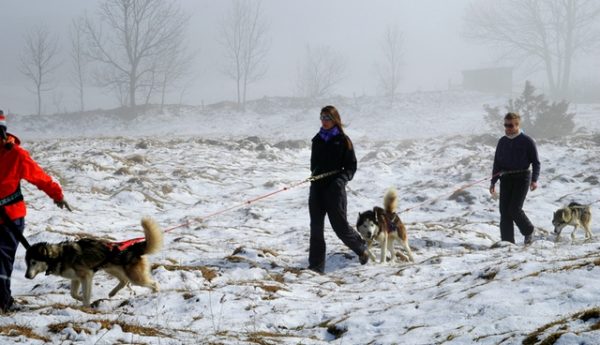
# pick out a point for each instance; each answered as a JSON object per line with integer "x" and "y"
{"x": 435, "y": 52}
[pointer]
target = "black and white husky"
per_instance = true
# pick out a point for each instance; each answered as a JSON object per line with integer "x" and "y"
{"x": 79, "y": 261}
{"x": 576, "y": 215}
{"x": 384, "y": 226}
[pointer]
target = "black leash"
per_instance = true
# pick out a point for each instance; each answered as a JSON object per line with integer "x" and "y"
{"x": 321, "y": 176}
{"x": 13, "y": 228}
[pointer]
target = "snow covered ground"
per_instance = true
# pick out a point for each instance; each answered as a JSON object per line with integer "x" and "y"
{"x": 238, "y": 278}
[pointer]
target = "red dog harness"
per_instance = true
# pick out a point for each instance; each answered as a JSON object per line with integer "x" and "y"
{"x": 121, "y": 246}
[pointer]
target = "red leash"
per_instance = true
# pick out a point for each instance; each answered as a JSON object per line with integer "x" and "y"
{"x": 247, "y": 202}
{"x": 124, "y": 244}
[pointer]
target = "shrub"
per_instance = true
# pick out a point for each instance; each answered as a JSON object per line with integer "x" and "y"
{"x": 539, "y": 117}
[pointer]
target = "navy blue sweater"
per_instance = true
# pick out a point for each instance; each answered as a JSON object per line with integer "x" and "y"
{"x": 516, "y": 154}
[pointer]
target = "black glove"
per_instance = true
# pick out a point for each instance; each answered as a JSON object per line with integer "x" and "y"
{"x": 340, "y": 182}
{"x": 342, "y": 179}
{"x": 62, "y": 204}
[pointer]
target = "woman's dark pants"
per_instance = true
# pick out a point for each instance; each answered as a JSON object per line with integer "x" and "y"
{"x": 330, "y": 200}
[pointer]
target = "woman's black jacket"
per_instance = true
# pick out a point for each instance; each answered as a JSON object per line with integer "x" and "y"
{"x": 335, "y": 154}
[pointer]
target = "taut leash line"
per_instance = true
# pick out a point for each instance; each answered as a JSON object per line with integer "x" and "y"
{"x": 245, "y": 203}
{"x": 258, "y": 198}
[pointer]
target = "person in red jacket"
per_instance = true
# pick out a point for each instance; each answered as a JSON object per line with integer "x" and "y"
{"x": 15, "y": 165}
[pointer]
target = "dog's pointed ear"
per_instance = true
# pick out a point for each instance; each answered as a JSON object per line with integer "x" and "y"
{"x": 47, "y": 252}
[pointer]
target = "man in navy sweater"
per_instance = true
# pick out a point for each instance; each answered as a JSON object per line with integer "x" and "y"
{"x": 515, "y": 152}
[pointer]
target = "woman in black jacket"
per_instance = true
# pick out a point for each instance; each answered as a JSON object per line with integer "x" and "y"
{"x": 331, "y": 151}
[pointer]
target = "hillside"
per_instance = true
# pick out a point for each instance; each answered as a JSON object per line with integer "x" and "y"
{"x": 239, "y": 278}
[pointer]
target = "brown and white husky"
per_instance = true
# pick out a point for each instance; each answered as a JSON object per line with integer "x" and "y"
{"x": 384, "y": 226}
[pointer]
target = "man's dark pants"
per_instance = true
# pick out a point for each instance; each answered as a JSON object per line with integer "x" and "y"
{"x": 330, "y": 200}
{"x": 513, "y": 190}
{"x": 8, "y": 250}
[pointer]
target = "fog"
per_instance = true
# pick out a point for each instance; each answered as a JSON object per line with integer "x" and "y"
{"x": 239, "y": 277}
{"x": 434, "y": 51}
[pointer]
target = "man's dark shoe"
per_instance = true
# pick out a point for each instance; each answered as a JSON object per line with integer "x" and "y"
{"x": 528, "y": 239}
{"x": 364, "y": 258}
{"x": 316, "y": 269}
{"x": 10, "y": 307}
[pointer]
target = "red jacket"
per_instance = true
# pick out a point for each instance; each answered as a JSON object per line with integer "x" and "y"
{"x": 15, "y": 165}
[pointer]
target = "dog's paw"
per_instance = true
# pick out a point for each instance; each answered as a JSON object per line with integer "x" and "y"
{"x": 372, "y": 256}
{"x": 97, "y": 303}
{"x": 401, "y": 257}
{"x": 155, "y": 287}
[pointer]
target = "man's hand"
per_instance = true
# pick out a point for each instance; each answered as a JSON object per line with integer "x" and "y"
{"x": 493, "y": 192}
{"x": 533, "y": 186}
{"x": 62, "y": 204}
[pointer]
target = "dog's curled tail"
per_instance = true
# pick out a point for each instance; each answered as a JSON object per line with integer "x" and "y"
{"x": 153, "y": 234}
{"x": 390, "y": 200}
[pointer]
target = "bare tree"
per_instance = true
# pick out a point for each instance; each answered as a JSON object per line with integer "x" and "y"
{"x": 78, "y": 59}
{"x": 319, "y": 73}
{"x": 38, "y": 60}
{"x": 548, "y": 33}
{"x": 174, "y": 69}
{"x": 130, "y": 43}
{"x": 244, "y": 36}
{"x": 58, "y": 102}
{"x": 388, "y": 71}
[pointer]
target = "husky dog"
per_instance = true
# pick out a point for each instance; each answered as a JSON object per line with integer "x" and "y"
{"x": 79, "y": 261}
{"x": 384, "y": 226}
{"x": 574, "y": 214}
